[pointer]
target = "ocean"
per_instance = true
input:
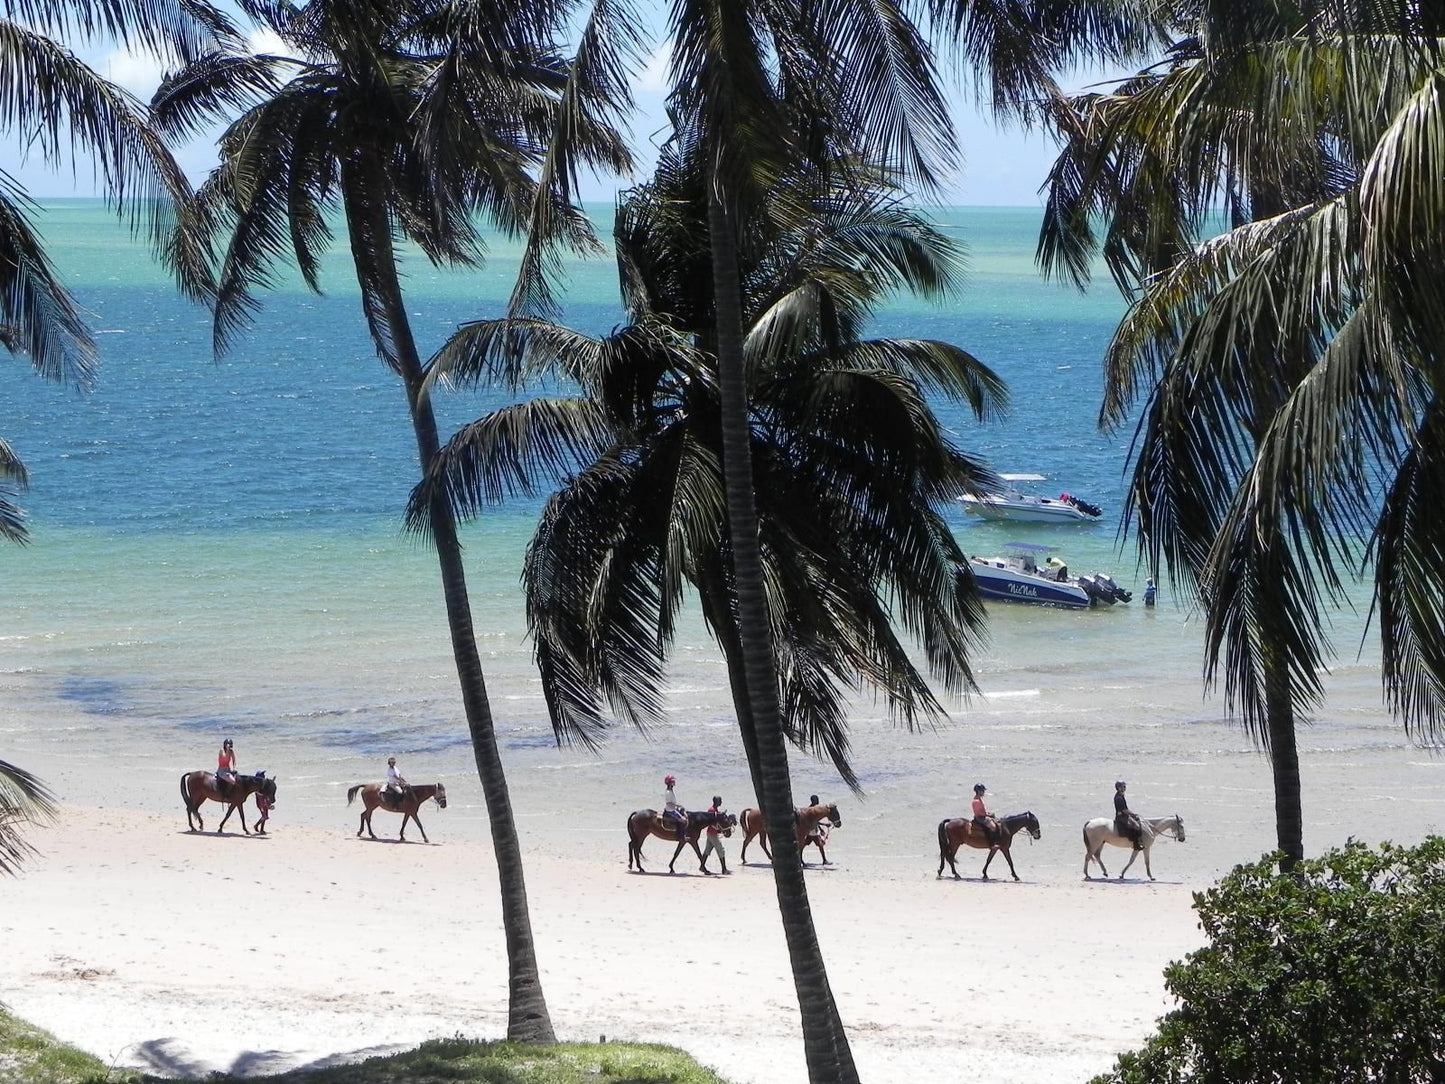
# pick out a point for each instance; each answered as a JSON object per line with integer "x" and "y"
{"x": 217, "y": 551}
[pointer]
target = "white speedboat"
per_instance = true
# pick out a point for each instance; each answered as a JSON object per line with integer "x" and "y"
{"x": 1017, "y": 576}
{"x": 1019, "y": 507}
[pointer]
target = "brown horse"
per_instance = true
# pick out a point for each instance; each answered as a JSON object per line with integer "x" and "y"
{"x": 959, "y": 831}
{"x": 201, "y": 786}
{"x": 648, "y": 822}
{"x": 805, "y": 819}
{"x": 375, "y": 795}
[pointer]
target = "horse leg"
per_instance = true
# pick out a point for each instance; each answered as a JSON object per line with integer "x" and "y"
{"x": 701, "y": 862}
{"x": 366, "y": 819}
{"x": 989, "y": 861}
{"x": 763, "y": 839}
{"x": 1009, "y": 858}
{"x": 1147, "y": 868}
{"x": 419, "y": 828}
{"x": 404, "y": 818}
{"x": 222, "y": 826}
{"x": 681, "y": 843}
{"x": 952, "y": 863}
{"x": 1132, "y": 856}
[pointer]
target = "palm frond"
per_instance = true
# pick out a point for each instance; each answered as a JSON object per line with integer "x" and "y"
{"x": 24, "y": 802}
{"x": 40, "y": 318}
{"x": 510, "y": 452}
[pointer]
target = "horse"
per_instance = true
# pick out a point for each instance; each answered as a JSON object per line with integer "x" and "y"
{"x": 642, "y": 823}
{"x": 376, "y": 794}
{"x": 805, "y": 819}
{"x": 201, "y": 786}
{"x": 954, "y": 833}
{"x": 1100, "y": 830}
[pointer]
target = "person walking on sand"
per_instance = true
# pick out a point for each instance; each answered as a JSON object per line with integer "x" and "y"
{"x": 1126, "y": 821}
{"x": 714, "y": 839}
{"x": 982, "y": 817}
{"x": 396, "y": 784}
{"x": 672, "y": 808}
{"x": 226, "y": 768}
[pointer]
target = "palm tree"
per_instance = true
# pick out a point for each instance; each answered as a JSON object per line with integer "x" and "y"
{"x": 1290, "y": 364}
{"x": 849, "y": 462}
{"x": 765, "y": 85}
{"x": 408, "y": 116}
{"x": 64, "y": 111}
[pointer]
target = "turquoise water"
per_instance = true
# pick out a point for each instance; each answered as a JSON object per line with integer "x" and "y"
{"x": 217, "y": 550}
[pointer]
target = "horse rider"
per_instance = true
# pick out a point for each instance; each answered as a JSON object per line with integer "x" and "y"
{"x": 714, "y": 838}
{"x": 982, "y": 817}
{"x": 226, "y": 768}
{"x": 396, "y": 785}
{"x": 1127, "y": 822}
{"x": 672, "y": 808}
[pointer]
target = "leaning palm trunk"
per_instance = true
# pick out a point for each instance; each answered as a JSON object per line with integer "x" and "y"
{"x": 824, "y": 1042}
{"x": 527, "y": 1017}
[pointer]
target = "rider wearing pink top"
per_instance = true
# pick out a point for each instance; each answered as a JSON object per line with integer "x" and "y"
{"x": 981, "y": 816}
{"x": 225, "y": 766}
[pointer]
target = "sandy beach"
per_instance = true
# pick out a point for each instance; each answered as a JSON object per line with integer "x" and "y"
{"x": 173, "y": 951}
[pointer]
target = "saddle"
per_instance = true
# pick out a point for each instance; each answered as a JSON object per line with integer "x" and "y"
{"x": 668, "y": 823}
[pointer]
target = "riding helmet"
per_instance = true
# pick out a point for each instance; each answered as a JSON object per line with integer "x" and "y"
{"x": 669, "y": 780}
{"x": 1120, "y": 783}
{"x": 979, "y": 788}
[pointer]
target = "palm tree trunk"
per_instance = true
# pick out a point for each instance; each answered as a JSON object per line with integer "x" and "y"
{"x": 1284, "y": 761}
{"x": 527, "y": 1017}
{"x": 830, "y": 1061}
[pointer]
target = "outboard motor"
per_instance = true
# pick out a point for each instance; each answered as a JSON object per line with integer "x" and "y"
{"x": 1116, "y": 593}
{"x": 1097, "y": 596}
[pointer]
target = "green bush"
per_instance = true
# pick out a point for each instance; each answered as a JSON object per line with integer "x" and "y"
{"x": 1334, "y": 974}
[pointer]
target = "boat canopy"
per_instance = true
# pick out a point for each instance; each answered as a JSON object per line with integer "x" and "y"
{"x": 1023, "y": 477}
{"x": 1029, "y": 547}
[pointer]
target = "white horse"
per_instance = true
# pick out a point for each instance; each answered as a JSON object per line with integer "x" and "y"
{"x": 1100, "y": 830}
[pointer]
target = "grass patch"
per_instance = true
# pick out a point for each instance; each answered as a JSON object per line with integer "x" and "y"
{"x": 31, "y": 1056}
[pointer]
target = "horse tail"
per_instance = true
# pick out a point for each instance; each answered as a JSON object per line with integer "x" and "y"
{"x": 351, "y": 794}
{"x": 942, "y": 837}
{"x": 185, "y": 790}
{"x": 1086, "y": 837}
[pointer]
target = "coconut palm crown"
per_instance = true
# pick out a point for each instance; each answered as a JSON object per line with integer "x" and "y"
{"x": 850, "y": 464}
{"x": 1291, "y": 364}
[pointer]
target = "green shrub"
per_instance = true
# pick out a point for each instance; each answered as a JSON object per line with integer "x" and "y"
{"x": 1334, "y": 974}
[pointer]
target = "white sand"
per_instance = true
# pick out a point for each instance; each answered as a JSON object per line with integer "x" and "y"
{"x": 153, "y": 947}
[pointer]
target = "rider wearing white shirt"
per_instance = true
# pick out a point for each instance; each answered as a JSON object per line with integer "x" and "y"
{"x": 395, "y": 783}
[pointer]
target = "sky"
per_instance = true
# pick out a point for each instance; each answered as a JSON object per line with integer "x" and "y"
{"x": 1001, "y": 167}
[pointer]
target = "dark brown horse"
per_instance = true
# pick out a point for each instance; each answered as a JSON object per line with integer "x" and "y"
{"x": 648, "y": 822}
{"x": 375, "y": 795}
{"x": 202, "y": 786}
{"x": 961, "y": 831}
{"x": 806, "y": 818}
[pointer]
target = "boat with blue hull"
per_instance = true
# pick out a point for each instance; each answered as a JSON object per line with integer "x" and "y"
{"x": 1017, "y": 576}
